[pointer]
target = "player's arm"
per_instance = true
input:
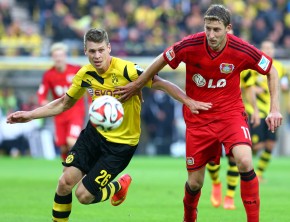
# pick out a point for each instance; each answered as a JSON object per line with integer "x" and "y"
{"x": 43, "y": 90}
{"x": 51, "y": 109}
{"x": 274, "y": 119}
{"x": 133, "y": 88}
{"x": 177, "y": 93}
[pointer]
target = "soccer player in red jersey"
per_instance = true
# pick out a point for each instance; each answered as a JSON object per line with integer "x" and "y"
{"x": 57, "y": 80}
{"x": 214, "y": 59}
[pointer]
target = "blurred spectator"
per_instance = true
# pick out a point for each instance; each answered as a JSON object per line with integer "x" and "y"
{"x": 148, "y": 24}
{"x": 158, "y": 114}
{"x": 12, "y": 142}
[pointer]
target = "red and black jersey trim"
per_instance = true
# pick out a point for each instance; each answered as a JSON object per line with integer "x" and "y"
{"x": 189, "y": 42}
{"x": 247, "y": 49}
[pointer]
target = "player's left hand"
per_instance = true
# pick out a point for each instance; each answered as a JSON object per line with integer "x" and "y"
{"x": 196, "y": 106}
{"x": 126, "y": 92}
{"x": 274, "y": 120}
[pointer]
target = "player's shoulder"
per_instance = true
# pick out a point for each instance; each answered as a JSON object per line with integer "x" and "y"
{"x": 124, "y": 65}
{"x": 73, "y": 66}
{"x": 243, "y": 49}
{"x": 119, "y": 62}
{"x": 239, "y": 43}
{"x": 196, "y": 38}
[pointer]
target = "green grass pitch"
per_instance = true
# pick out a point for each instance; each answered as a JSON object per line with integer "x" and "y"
{"x": 27, "y": 189}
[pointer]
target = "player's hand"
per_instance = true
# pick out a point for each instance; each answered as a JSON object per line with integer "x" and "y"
{"x": 126, "y": 92}
{"x": 255, "y": 119}
{"x": 18, "y": 117}
{"x": 274, "y": 120}
{"x": 195, "y": 106}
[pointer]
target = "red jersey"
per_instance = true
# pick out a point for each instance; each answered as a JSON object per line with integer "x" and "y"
{"x": 58, "y": 83}
{"x": 215, "y": 79}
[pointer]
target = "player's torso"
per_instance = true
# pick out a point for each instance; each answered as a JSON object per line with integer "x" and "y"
{"x": 215, "y": 80}
{"x": 59, "y": 82}
{"x": 120, "y": 73}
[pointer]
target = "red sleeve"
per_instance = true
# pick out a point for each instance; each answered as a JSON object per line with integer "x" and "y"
{"x": 43, "y": 88}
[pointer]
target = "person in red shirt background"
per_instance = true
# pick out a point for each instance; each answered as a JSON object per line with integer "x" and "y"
{"x": 57, "y": 80}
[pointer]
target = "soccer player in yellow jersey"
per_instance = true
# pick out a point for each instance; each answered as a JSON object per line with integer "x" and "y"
{"x": 97, "y": 156}
{"x": 263, "y": 139}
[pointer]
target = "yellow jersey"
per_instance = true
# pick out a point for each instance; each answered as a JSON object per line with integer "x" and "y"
{"x": 251, "y": 77}
{"x": 119, "y": 73}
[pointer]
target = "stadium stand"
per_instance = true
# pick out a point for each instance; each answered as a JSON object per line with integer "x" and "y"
{"x": 137, "y": 28}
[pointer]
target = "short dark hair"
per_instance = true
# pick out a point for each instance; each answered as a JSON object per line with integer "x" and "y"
{"x": 96, "y": 35}
{"x": 219, "y": 13}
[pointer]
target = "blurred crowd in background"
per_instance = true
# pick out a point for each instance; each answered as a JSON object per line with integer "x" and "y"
{"x": 135, "y": 27}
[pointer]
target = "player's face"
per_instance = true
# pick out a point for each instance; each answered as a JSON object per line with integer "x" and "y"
{"x": 268, "y": 48}
{"x": 99, "y": 55}
{"x": 216, "y": 34}
{"x": 59, "y": 58}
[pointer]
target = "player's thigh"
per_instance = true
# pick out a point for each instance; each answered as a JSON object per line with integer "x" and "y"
{"x": 234, "y": 131}
{"x": 202, "y": 146}
{"x": 108, "y": 167}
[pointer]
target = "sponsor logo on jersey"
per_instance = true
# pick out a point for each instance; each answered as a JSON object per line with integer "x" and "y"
{"x": 226, "y": 68}
{"x": 189, "y": 160}
{"x": 199, "y": 80}
{"x": 170, "y": 54}
{"x": 264, "y": 63}
{"x": 103, "y": 92}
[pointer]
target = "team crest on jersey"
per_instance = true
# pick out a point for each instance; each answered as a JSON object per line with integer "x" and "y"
{"x": 199, "y": 80}
{"x": 189, "y": 160}
{"x": 226, "y": 68}
{"x": 114, "y": 79}
{"x": 170, "y": 54}
{"x": 264, "y": 63}
{"x": 69, "y": 158}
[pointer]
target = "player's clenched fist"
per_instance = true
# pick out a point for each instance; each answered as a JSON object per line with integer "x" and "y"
{"x": 18, "y": 117}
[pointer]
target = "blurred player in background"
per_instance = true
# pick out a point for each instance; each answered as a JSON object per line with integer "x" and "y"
{"x": 214, "y": 60}
{"x": 57, "y": 80}
{"x": 98, "y": 156}
{"x": 263, "y": 139}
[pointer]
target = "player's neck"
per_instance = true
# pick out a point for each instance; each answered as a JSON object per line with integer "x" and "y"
{"x": 60, "y": 68}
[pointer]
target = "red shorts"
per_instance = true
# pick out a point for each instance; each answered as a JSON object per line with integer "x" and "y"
{"x": 204, "y": 144}
{"x": 65, "y": 128}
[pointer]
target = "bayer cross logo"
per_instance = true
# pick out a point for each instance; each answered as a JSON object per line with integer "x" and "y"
{"x": 199, "y": 80}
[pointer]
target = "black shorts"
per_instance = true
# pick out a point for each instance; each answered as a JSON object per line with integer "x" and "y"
{"x": 261, "y": 133}
{"x": 99, "y": 159}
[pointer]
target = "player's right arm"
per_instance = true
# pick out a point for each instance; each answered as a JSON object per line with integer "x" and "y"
{"x": 53, "y": 108}
{"x": 178, "y": 94}
{"x": 132, "y": 88}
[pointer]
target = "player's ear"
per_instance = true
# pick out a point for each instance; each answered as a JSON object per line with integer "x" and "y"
{"x": 109, "y": 47}
{"x": 229, "y": 29}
